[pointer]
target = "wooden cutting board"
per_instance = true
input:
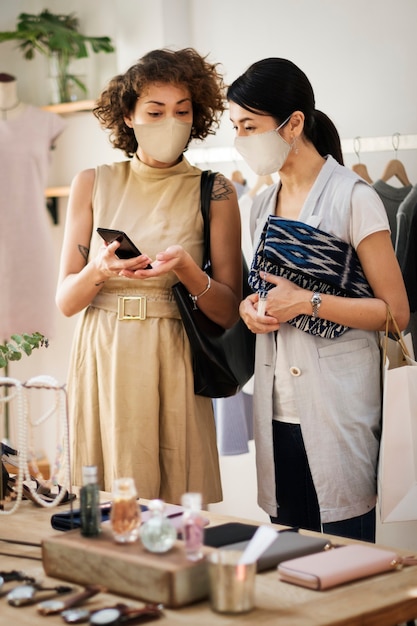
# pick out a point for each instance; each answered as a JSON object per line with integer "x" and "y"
{"x": 126, "y": 569}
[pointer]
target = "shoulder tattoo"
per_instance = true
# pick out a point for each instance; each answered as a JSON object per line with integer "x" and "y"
{"x": 222, "y": 188}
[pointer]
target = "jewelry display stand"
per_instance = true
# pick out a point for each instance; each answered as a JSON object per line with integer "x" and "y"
{"x": 43, "y": 494}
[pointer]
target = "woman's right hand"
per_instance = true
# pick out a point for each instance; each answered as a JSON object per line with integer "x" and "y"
{"x": 257, "y": 323}
{"x": 109, "y": 264}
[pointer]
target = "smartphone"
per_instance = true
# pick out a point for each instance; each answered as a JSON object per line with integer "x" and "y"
{"x": 127, "y": 249}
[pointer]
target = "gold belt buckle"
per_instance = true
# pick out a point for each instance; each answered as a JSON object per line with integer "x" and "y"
{"x": 141, "y": 308}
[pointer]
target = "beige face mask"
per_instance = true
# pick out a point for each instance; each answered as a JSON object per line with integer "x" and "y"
{"x": 164, "y": 141}
{"x": 265, "y": 153}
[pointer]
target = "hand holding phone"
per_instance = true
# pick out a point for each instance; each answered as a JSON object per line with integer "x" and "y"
{"x": 127, "y": 249}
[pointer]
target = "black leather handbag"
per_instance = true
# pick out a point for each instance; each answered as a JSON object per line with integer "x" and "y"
{"x": 223, "y": 359}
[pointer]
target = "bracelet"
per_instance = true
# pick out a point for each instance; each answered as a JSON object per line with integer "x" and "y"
{"x": 205, "y": 290}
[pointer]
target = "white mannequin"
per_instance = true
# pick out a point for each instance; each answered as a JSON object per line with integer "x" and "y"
{"x": 10, "y": 105}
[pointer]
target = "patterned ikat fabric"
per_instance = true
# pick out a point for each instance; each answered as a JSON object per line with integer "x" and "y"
{"x": 312, "y": 259}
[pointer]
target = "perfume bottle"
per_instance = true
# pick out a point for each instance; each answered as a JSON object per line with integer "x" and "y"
{"x": 192, "y": 525}
{"x": 157, "y": 533}
{"x": 125, "y": 512}
{"x": 90, "y": 513}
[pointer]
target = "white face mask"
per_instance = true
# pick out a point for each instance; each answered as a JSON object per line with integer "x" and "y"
{"x": 164, "y": 141}
{"x": 265, "y": 153}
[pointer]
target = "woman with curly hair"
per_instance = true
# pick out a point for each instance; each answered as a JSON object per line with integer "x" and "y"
{"x": 133, "y": 411}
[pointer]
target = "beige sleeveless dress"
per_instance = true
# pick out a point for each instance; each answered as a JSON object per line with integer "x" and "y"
{"x": 131, "y": 399}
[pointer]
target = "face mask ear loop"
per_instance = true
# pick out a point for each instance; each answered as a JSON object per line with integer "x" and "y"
{"x": 293, "y": 144}
{"x": 283, "y": 123}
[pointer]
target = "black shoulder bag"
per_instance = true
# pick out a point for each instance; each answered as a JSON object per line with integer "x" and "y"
{"x": 223, "y": 359}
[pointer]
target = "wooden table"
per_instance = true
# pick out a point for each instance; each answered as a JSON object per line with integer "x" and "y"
{"x": 385, "y": 600}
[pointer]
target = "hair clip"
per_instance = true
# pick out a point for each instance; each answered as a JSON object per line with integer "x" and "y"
{"x": 22, "y": 595}
{"x": 122, "y": 614}
{"x": 52, "y": 607}
{"x": 113, "y": 615}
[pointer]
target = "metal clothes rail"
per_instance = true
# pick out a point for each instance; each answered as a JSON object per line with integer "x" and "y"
{"x": 355, "y": 145}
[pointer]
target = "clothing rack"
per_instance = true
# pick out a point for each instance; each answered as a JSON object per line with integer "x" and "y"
{"x": 396, "y": 142}
{"x": 356, "y": 145}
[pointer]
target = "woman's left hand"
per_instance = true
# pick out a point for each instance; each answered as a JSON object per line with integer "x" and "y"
{"x": 286, "y": 300}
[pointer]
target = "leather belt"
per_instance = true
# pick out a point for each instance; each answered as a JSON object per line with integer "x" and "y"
{"x": 137, "y": 307}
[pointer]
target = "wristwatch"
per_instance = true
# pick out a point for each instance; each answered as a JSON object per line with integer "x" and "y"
{"x": 315, "y": 303}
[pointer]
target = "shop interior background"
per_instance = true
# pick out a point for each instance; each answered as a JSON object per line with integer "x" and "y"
{"x": 360, "y": 57}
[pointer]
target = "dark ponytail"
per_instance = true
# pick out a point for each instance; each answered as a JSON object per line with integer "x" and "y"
{"x": 277, "y": 87}
{"x": 323, "y": 134}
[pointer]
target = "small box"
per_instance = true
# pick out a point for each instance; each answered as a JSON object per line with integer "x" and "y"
{"x": 127, "y": 569}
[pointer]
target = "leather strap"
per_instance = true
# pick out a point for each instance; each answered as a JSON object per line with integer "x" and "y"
{"x": 206, "y": 186}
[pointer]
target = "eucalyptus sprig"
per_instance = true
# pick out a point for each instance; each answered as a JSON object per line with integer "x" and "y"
{"x": 13, "y": 349}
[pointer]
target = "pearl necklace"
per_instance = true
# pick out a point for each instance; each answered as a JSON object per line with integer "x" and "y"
{"x": 19, "y": 391}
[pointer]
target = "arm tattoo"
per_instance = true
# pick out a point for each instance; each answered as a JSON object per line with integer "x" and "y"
{"x": 84, "y": 251}
{"x": 222, "y": 188}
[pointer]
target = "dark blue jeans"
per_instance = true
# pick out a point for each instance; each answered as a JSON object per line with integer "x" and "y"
{"x": 296, "y": 494}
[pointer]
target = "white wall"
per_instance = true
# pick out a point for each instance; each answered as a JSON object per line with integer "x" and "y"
{"x": 360, "y": 57}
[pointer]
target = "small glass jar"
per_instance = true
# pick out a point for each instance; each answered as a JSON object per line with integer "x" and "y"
{"x": 125, "y": 514}
{"x": 157, "y": 533}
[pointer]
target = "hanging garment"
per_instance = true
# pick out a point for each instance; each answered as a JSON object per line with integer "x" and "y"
{"x": 27, "y": 278}
{"x": 391, "y": 198}
{"x": 406, "y": 244}
{"x": 406, "y": 251}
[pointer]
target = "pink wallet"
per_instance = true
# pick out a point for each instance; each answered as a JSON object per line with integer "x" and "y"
{"x": 337, "y": 566}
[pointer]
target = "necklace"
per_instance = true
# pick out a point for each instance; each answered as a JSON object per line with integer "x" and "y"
{"x": 5, "y": 109}
{"x": 20, "y": 393}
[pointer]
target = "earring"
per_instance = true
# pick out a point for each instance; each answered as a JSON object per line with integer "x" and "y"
{"x": 295, "y": 145}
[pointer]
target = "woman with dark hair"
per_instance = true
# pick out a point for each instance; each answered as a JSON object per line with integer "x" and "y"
{"x": 317, "y": 396}
{"x": 131, "y": 397}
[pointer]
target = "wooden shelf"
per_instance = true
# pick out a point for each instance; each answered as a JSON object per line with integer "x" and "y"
{"x": 57, "y": 192}
{"x": 70, "y": 107}
{"x": 52, "y": 194}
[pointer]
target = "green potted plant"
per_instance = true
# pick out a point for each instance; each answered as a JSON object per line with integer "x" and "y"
{"x": 57, "y": 37}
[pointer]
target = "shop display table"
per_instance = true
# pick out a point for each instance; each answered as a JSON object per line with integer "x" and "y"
{"x": 384, "y": 600}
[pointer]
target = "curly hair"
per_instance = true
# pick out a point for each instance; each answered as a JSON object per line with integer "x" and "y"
{"x": 182, "y": 67}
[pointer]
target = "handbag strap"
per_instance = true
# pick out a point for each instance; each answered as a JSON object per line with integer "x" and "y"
{"x": 396, "y": 334}
{"x": 206, "y": 187}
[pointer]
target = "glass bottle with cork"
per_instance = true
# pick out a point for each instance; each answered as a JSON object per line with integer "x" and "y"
{"x": 192, "y": 525}
{"x": 90, "y": 513}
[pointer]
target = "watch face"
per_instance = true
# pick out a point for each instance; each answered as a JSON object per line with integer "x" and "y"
{"x": 75, "y": 616}
{"x": 48, "y": 607}
{"x": 105, "y": 616}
